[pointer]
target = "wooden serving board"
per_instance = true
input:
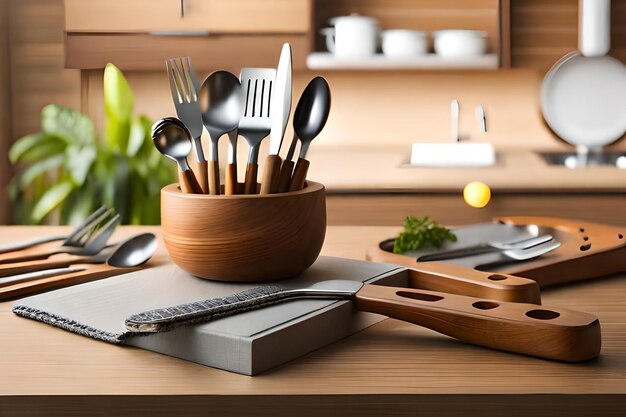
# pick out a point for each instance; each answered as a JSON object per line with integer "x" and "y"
{"x": 587, "y": 251}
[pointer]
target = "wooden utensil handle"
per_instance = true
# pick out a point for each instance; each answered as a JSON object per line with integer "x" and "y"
{"x": 250, "y": 186}
{"x": 271, "y": 174}
{"x": 91, "y": 273}
{"x": 56, "y": 261}
{"x": 231, "y": 180}
{"x": 284, "y": 179}
{"x": 202, "y": 177}
{"x": 30, "y": 254}
{"x": 214, "y": 178}
{"x": 551, "y": 333}
{"x": 188, "y": 182}
{"x": 454, "y": 279}
{"x": 299, "y": 175}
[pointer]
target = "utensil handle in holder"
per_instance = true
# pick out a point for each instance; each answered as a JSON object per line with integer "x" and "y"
{"x": 203, "y": 180}
{"x": 214, "y": 178}
{"x": 271, "y": 174}
{"x": 250, "y": 186}
{"x": 551, "y": 333}
{"x": 231, "y": 180}
{"x": 284, "y": 179}
{"x": 299, "y": 175}
{"x": 188, "y": 182}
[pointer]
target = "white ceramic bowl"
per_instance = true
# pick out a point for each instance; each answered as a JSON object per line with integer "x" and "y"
{"x": 460, "y": 43}
{"x": 401, "y": 43}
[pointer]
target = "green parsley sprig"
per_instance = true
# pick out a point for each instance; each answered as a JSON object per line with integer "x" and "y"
{"x": 420, "y": 233}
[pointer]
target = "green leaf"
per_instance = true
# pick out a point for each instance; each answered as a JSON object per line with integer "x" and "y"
{"x": 79, "y": 162}
{"x": 25, "y": 144}
{"x": 118, "y": 108}
{"x": 69, "y": 125}
{"x": 50, "y": 200}
{"x": 39, "y": 168}
{"x": 136, "y": 137}
{"x": 50, "y": 147}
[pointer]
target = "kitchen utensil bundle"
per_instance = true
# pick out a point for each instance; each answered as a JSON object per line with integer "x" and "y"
{"x": 43, "y": 264}
{"x": 254, "y": 105}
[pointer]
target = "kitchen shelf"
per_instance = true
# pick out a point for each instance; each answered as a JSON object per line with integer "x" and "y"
{"x": 327, "y": 61}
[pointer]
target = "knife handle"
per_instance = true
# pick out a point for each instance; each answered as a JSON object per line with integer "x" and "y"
{"x": 271, "y": 174}
{"x": 214, "y": 178}
{"x": 203, "y": 177}
{"x": 250, "y": 186}
{"x": 188, "y": 182}
{"x": 231, "y": 180}
{"x": 286, "y": 170}
{"x": 551, "y": 333}
{"x": 56, "y": 261}
{"x": 299, "y": 175}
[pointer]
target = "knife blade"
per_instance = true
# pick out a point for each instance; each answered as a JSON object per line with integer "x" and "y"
{"x": 280, "y": 107}
{"x": 566, "y": 335}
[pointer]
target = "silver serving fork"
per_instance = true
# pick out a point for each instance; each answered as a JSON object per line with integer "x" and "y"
{"x": 185, "y": 86}
{"x": 256, "y": 122}
{"x": 92, "y": 246}
{"x": 77, "y": 238}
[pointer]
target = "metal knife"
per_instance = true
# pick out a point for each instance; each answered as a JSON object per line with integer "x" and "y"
{"x": 280, "y": 107}
{"x": 515, "y": 327}
{"x": 30, "y": 276}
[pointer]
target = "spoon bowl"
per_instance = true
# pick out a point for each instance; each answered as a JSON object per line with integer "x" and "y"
{"x": 222, "y": 103}
{"x": 312, "y": 110}
{"x": 171, "y": 138}
{"x": 134, "y": 251}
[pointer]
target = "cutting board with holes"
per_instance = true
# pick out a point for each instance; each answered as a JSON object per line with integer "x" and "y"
{"x": 587, "y": 250}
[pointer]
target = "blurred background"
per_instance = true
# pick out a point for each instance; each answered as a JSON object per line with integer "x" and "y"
{"x": 55, "y": 51}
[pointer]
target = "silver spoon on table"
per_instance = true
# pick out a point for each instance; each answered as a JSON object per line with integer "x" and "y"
{"x": 222, "y": 103}
{"x": 132, "y": 252}
{"x": 173, "y": 139}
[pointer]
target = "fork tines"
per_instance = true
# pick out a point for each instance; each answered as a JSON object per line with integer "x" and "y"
{"x": 183, "y": 80}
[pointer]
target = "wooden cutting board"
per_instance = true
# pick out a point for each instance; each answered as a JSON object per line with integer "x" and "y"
{"x": 587, "y": 251}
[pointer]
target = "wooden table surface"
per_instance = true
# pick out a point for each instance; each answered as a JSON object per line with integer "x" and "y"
{"x": 390, "y": 368}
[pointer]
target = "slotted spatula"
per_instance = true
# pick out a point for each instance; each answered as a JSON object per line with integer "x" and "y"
{"x": 256, "y": 122}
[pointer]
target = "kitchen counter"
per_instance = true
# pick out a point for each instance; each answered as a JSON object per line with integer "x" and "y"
{"x": 386, "y": 169}
{"x": 390, "y": 368}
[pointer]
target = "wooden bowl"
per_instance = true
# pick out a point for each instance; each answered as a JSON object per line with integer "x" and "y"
{"x": 244, "y": 237}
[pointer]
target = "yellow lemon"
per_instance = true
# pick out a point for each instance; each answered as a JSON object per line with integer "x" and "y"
{"x": 477, "y": 194}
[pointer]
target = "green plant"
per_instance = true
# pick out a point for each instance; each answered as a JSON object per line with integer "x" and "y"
{"x": 66, "y": 167}
{"x": 420, "y": 233}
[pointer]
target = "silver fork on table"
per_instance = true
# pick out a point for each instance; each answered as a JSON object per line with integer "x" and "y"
{"x": 185, "y": 85}
{"x": 91, "y": 246}
{"x": 256, "y": 122}
{"x": 76, "y": 238}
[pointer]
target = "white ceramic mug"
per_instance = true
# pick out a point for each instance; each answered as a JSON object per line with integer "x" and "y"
{"x": 400, "y": 43}
{"x": 352, "y": 36}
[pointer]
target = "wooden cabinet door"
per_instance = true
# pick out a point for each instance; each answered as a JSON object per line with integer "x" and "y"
{"x": 203, "y": 16}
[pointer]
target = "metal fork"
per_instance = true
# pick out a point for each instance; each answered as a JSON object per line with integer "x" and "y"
{"x": 92, "y": 246}
{"x": 492, "y": 246}
{"x": 256, "y": 122}
{"x": 185, "y": 86}
{"x": 77, "y": 238}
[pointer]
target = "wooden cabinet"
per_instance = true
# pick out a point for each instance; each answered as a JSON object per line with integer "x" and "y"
{"x": 141, "y": 34}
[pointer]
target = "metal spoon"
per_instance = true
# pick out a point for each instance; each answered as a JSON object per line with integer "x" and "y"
{"x": 130, "y": 253}
{"x": 222, "y": 103}
{"x": 173, "y": 139}
{"x": 308, "y": 121}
